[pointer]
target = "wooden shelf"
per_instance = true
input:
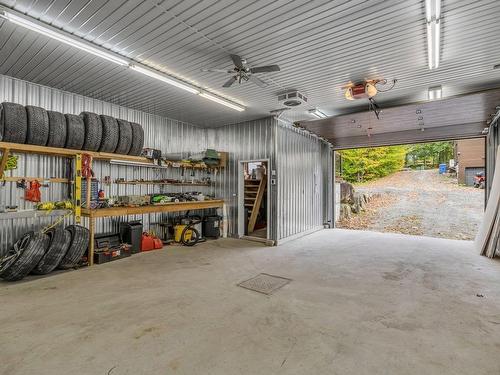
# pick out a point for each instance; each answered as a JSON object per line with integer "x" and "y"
{"x": 167, "y": 207}
{"x": 160, "y": 183}
{"x": 28, "y": 214}
{"x": 66, "y": 152}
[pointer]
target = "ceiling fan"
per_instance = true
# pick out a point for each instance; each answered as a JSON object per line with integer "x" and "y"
{"x": 242, "y": 72}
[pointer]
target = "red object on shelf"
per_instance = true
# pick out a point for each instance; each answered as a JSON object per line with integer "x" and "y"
{"x": 32, "y": 193}
{"x": 150, "y": 242}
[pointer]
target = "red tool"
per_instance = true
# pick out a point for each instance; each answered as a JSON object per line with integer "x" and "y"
{"x": 32, "y": 193}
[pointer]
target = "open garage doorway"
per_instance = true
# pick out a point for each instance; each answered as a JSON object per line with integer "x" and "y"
{"x": 253, "y": 203}
{"x": 433, "y": 189}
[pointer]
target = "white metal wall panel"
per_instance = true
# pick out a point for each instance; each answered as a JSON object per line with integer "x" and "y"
{"x": 300, "y": 201}
{"x": 385, "y": 38}
{"x": 166, "y": 134}
{"x": 245, "y": 141}
{"x": 304, "y": 182}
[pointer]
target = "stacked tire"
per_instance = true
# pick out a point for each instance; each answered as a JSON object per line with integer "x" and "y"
{"x": 88, "y": 131}
{"x": 41, "y": 253}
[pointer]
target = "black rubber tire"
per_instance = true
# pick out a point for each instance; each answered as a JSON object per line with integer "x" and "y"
{"x": 125, "y": 137}
{"x": 38, "y": 126}
{"x": 93, "y": 131}
{"x": 59, "y": 241}
{"x": 57, "y": 129}
{"x": 13, "y": 123}
{"x": 75, "y": 135}
{"x": 30, "y": 254}
{"x": 110, "y": 134}
{"x": 79, "y": 245}
{"x": 137, "y": 139}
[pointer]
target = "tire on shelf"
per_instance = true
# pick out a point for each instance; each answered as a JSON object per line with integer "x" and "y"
{"x": 13, "y": 122}
{"x": 93, "y": 131}
{"x": 110, "y": 134}
{"x": 31, "y": 248}
{"x": 38, "y": 126}
{"x": 59, "y": 241}
{"x": 57, "y": 129}
{"x": 137, "y": 139}
{"x": 75, "y": 132}
{"x": 125, "y": 137}
{"x": 79, "y": 244}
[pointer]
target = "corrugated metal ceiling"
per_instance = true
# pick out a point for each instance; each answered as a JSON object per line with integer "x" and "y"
{"x": 319, "y": 45}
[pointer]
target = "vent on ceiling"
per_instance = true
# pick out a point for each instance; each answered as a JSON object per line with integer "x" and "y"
{"x": 292, "y": 99}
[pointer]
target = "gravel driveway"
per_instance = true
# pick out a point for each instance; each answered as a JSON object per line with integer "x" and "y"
{"x": 420, "y": 203}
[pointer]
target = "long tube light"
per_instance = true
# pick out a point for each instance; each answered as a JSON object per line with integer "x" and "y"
{"x": 433, "y": 21}
{"x": 227, "y": 103}
{"x": 53, "y": 33}
{"x": 64, "y": 37}
{"x": 164, "y": 78}
{"x": 317, "y": 113}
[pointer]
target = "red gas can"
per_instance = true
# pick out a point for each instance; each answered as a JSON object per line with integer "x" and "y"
{"x": 147, "y": 243}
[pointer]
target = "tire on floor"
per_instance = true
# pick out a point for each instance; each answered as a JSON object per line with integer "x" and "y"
{"x": 57, "y": 129}
{"x": 110, "y": 134}
{"x": 125, "y": 137}
{"x": 31, "y": 248}
{"x": 79, "y": 245}
{"x": 93, "y": 131}
{"x": 13, "y": 123}
{"x": 137, "y": 139}
{"x": 59, "y": 241}
{"x": 75, "y": 135}
{"x": 38, "y": 126}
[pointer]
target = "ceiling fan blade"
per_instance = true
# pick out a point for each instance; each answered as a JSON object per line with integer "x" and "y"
{"x": 230, "y": 82}
{"x": 238, "y": 61}
{"x": 265, "y": 69}
{"x": 217, "y": 70}
{"x": 257, "y": 81}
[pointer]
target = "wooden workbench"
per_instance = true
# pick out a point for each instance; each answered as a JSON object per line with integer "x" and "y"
{"x": 123, "y": 211}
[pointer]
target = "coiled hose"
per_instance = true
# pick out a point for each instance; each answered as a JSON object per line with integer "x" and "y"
{"x": 195, "y": 235}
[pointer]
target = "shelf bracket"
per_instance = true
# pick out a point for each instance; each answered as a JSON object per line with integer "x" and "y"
{"x": 3, "y": 162}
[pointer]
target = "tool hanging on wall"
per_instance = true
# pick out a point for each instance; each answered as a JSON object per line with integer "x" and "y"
{"x": 87, "y": 171}
{"x": 32, "y": 194}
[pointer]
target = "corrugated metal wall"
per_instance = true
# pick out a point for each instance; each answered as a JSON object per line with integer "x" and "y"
{"x": 304, "y": 167}
{"x": 300, "y": 201}
{"x": 244, "y": 141}
{"x": 163, "y": 133}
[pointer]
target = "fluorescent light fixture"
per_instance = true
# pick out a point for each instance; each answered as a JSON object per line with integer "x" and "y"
{"x": 317, "y": 113}
{"x": 61, "y": 36}
{"x": 225, "y": 102}
{"x": 433, "y": 19}
{"x": 164, "y": 78}
{"x": 435, "y": 92}
{"x": 432, "y": 10}
{"x": 64, "y": 37}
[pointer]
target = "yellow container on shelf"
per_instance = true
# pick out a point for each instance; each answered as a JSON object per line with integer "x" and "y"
{"x": 178, "y": 233}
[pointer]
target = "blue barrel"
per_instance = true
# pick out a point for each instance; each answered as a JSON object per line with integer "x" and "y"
{"x": 442, "y": 168}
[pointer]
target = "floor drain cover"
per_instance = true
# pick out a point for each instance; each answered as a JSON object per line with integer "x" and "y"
{"x": 264, "y": 283}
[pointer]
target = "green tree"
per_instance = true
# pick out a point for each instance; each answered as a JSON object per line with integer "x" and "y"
{"x": 429, "y": 155}
{"x": 364, "y": 164}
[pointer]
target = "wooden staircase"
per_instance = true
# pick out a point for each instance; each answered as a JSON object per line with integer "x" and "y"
{"x": 254, "y": 191}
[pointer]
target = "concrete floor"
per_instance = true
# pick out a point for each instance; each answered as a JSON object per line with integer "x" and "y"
{"x": 359, "y": 303}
